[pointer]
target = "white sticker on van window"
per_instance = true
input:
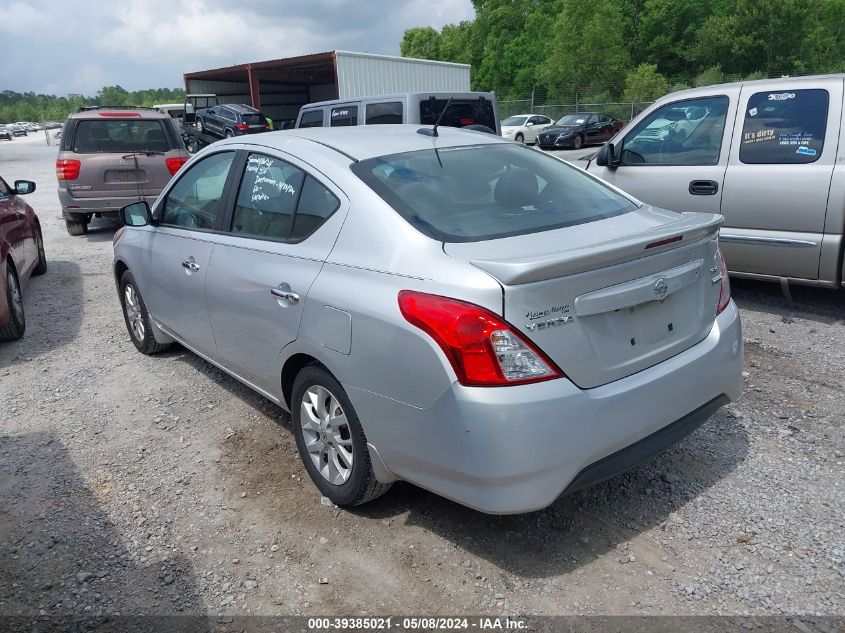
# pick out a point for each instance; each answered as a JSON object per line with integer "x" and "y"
{"x": 781, "y": 96}
{"x": 339, "y": 113}
{"x": 752, "y": 112}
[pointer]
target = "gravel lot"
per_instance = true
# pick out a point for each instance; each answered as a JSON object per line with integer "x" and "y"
{"x": 141, "y": 485}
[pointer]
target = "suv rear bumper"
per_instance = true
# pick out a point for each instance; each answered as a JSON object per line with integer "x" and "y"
{"x": 74, "y": 207}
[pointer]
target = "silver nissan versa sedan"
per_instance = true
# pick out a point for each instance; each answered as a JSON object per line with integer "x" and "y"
{"x": 442, "y": 307}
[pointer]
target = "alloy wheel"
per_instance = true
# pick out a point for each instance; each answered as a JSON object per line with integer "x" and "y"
{"x": 15, "y": 296}
{"x": 134, "y": 313}
{"x": 327, "y": 434}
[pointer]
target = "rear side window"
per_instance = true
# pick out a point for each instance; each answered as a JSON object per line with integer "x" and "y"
{"x": 344, "y": 116}
{"x": 278, "y": 201}
{"x": 384, "y": 113}
{"x": 195, "y": 202}
{"x": 119, "y": 135}
{"x": 784, "y": 128}
{"x": 311, "y": 118}
{"x": 482, "y": 192}
{"x": 461, "y": 113}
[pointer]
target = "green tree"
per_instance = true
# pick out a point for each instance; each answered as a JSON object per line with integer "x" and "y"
{"x": 421, "y": 42}
{"x": 644, "y": 83}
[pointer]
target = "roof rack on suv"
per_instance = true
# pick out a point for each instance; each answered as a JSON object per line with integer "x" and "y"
{"x": 110, "y": 107}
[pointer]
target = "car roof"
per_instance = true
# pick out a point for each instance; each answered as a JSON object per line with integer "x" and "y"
{"x": 117, "y": 113}
{"x": 368, "y": 141}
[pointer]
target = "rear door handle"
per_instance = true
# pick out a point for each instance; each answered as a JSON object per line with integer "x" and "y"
{"x": 190, "y": 264}
{"x": 283, "y": 292}
{"x": 703, "y": 187}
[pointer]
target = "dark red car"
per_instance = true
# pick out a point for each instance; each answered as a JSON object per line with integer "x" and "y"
{"x": 21, "y": 255}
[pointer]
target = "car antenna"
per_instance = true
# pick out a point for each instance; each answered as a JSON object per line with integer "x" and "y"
{"x": 433, "y": 131}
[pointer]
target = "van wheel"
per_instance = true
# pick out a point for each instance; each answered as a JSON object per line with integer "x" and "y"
{"x": 76, "y": 227}
{"x": 16, "y": 326}
{"x": 41, "y": 266}
{"x": 137, "y": 317}
{"x": 330, "y": 439}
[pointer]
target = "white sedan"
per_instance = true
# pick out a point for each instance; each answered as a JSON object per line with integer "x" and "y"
{"x": 523, "y": 128}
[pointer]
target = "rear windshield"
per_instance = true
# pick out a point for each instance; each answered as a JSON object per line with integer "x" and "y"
{"x": 253, "y": 119}
{"x": 461, "y": 112}
{"x": 483, "y": 192}
{"x": 119, "y": 135}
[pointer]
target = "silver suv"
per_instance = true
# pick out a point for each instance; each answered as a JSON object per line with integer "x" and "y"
{"x": 111, "y": 157}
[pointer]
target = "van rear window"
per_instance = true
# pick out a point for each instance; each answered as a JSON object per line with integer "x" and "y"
{"x": 119, "y": 135}
{"x": 461, "y": 113}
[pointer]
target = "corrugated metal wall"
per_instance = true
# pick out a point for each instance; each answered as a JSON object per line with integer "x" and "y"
{"x": 362, "y": 74}
{"x": 226, "y": 91}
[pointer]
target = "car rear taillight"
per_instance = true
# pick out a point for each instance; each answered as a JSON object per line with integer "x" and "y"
{"x": 724, "y": 287}
{"x": 174, "y": 163}
{"x": 67, "y": 169}
{"x": 243, "y": 127}
{"x": 483, "y": 349}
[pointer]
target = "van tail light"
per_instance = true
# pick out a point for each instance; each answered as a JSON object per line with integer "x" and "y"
{"x": 174, "y": 163}
{"x": 243, "y": 127}
{"x": 483, "y": 349}
{"x": 724, "y": 287}
{"x": 67, "y": 169}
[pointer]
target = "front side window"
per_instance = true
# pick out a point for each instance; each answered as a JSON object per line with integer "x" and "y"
{"x": 344, "y": 116}
{"x": 784, "y": 127}
{"x": 280, "y": 202}
{"x": 120, "y": 135}
{"x": 311, "y": 118}
{"x": 482, "y": 192}
{"x": 196, "y": 200}
{"x": 384, "y": 113}
{"x": 686, "y": 132}
{"x": 5, "y": 190}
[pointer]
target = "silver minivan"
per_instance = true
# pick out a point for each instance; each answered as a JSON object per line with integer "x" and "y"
{"x": 767, "y": 155}
{"x": 476, "y": 110}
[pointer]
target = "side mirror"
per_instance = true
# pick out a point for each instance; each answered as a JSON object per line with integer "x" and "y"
{"x": 136, "y": 214}
{"x": 529, "y": 124}
{"x": 607, "y": 156}
{"x": 23, "y": 187}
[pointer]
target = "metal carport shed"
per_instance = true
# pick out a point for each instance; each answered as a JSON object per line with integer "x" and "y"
{"x": 280, "y": 87}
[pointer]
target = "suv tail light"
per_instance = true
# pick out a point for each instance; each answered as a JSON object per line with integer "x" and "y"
{"x": 174, "y": 163}
{"x": 724, "y": 287}
{"x": 243, "y": 127}
{"x": 67, "y": 169}
{"x": 483, "y": 349}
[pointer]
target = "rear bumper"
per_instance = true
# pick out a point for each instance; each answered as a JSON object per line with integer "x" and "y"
{"x": 107, "y": 205}
{"x": 517, "y": 449}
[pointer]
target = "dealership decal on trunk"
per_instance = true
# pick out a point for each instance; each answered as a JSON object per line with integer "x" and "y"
{"x": 562, "y": 317}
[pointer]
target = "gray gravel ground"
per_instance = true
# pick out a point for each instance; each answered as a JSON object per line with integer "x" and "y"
{"x": 141, "y": 485}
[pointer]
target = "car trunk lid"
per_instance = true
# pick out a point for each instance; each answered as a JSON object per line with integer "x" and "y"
{"x": 608, "y": 298}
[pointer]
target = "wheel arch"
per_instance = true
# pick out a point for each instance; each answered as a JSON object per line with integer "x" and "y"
{"x": 292, "y": 366}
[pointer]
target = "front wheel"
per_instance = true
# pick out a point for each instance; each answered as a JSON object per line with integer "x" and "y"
{"x": 137, "y": 317}
{"x": 16, "y": 326}
{"x": 200, "y": 125}
{"x": 579, "y": 142}
{"x": 330, "y": 439}
{"x": 229, "y": 133}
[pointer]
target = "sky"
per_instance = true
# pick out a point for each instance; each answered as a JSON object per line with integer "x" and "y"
{"x": 78, "y": 46}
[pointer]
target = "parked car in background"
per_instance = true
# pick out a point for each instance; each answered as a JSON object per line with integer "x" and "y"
{"x": 109, "y": 157}
{"x": 768, "y": 155}
{"x": 21, "y": 255}
{"x": 577, "y": 130}
{"x": 457, "y": 311}
{"x": 6, "y": 132}
{"x": 231, "y": 119}
{"x": 18, "y": 130}
{"x": 475, "y": 110}
{"x": 524, "y": 128}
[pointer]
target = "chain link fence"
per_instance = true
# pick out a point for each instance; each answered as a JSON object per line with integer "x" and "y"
{"x": 623, "y": 111}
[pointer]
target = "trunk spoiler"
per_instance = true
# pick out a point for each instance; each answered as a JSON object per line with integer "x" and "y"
{"x": 522, "y": 270}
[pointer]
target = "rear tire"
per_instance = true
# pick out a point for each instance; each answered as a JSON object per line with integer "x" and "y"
{"x": 41, "y": 266}
{"x": 229, "y": 134}
{"x": 76, "y": 227}
{"x": 319, "y": 402}
{"x": 16, "y": 326}
{"x": 137, "y": 317}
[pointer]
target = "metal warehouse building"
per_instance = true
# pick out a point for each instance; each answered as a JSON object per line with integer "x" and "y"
{"x": 280, "y": 87}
